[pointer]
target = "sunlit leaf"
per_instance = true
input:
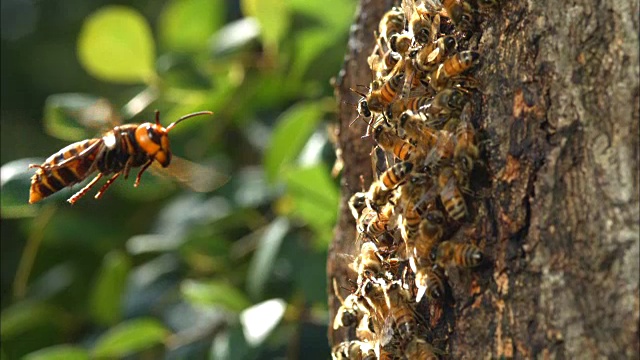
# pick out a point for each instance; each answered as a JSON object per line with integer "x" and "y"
{"x": 214, "y": 293}
{"x": 264, "y": 257}
{"x": 75, "y": 116}
{"x": 106, "y": 298}
{"x": 235, "y": 36}
{"x": 115, "y": 44}
{"x": 309, "y": 44}
{"x": 59, "y": 352}
{"x": 15, "y": 181}
{"x": 273, "y": 17}
{"x": 315, "y": 197}
{"x": 259, "y": 320}
{"x": 129, "y": 337}
{"x": 186, "y": 25}
{"x": 292, "y": 131}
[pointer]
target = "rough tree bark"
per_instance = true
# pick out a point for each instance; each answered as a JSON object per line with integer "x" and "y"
{"x": 560, "y": 220}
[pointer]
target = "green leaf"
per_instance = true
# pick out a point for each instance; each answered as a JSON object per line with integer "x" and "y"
{"x": 315, "y": 198}
{"x": 273, "y": 17}
{"x": 115, "y": 44}
{"x": 15, "y": 181}
{"x": 231, "y": 344}
{"x": 129, "y": 337}
{"x": 27, "y": 315}
{"x": 234, "y": 37}
{"x": 186, "y": 25}
{"x": 264, "y": 257}
{"x": 337, "y": 15}
{"x": 309, "y": 45}
{"x": 291, "y": 133}
{"x": 59, "y": 352}
{"x": 214, "y": 293}
{"x": 106, "y": 298}
{"x": 71, "y": 116}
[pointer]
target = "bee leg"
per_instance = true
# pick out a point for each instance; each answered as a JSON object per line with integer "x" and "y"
{"x": 145, "y": 167}
{"x": 127, "y": 168}
{"x": 106, "y": 186}
{"x": 72, "y": 200}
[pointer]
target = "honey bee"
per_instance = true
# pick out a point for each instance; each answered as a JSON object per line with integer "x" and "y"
{"x": 384, "y": 353}
{"x": 462, "y": 255}
{"x": 450, "y": 194}
{"x": 446, "y": 104}
{"x": 415, "y": 104}
{"x": 377, "y": 197}
{"x": 400, "y": 310}
{"x": 441, "y": 154}
{"x": 401, "y": 43}
{"x": 373, "y": 223}
{"x": 366, "y": 329}
{"x": 429, "y": 234}
{"x": 373, "y": 293}
{"x": 357, "y": 203}
{"x": 116, "y": 152}
{"x": 430, "y": 281}
{"x": 419, "y": 349}
{"x": 410, "y": 223}
{"x": 381, "y": 62}
{"x": 391, "y": 23}
{"x": 412, "y": 76}
{"x": 382, "y": 95}
{"x": 368, "y": 263}
{"x": 384, "y": 135}
{"x": 466, "y": 152}
{"x": 416, "y": 129}
{"x": 429, "y": 56}
{"x": 395, "y": 175}
{"x": 420, "y": 21}
{"x": 350, "y": 309}
{"x": 460, "y": 12}
{"x": 354, "y": 349}
{"x": 364, "y": 111}
{"x": 453, "y": 66}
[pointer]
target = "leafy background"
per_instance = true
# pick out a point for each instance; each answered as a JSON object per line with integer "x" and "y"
{"x": 159, "y": 271}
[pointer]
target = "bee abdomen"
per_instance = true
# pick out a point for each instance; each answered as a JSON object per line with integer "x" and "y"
{"x": 51, "y": 177}
{"x": 456, "y": 208}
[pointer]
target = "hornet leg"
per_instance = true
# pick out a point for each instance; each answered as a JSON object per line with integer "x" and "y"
{"x": 72, "y": 200}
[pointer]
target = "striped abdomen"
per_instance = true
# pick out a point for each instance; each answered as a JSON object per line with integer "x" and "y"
{"x": 395, "y": 175}
{"x": 69, "y": 166}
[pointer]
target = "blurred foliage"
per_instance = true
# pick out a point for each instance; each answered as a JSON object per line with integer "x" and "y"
{"x": 159, "y": 271}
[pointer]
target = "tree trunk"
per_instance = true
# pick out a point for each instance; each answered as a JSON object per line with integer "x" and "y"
{"x": 559, "y": 219}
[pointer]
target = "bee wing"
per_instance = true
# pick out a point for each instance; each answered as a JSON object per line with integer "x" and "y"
{"x": 407, "y": 8}
{"x": 197, "y": 177}
{"x": 380, "y": 161}
{"x": 387, "y": 332}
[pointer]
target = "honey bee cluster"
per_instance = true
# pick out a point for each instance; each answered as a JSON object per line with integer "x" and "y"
{"x": 418, "y": 109}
